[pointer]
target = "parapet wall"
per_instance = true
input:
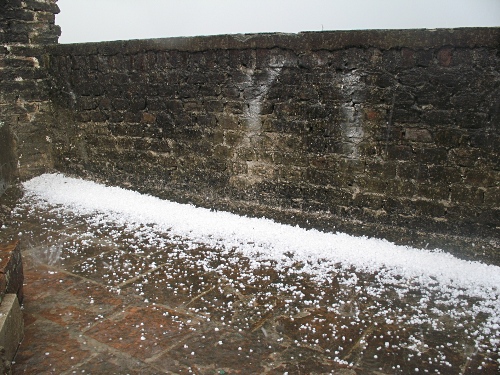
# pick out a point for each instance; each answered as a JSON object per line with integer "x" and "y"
{"x": 387, "y": 133}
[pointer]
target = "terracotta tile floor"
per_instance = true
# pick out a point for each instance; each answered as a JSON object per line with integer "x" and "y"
{"x": 94, "y": 304}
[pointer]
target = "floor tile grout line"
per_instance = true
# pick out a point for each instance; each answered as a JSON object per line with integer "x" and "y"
{"x": 82, "y": 280}
{"x": 167, "y": 350}
{"x": 138, "y": 277}
{"x": 33, "y": 250}
{"x": 72, "y": 370}
{"x": 80, "y": 335}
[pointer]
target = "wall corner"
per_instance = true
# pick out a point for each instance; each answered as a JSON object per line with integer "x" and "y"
{"x": 25, "y": 117}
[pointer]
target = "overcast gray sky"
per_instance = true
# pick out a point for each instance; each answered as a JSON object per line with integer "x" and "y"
{"x": 97, "y": 20}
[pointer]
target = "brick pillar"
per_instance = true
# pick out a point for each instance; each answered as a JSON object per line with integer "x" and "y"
{"x": 25, "y": 27}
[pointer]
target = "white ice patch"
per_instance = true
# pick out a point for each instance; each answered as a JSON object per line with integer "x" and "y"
{"x": 265, "y": 239}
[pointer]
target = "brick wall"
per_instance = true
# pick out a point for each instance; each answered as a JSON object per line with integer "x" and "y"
{"x": 25, "y": 27}
{"x": 386, "y": 133}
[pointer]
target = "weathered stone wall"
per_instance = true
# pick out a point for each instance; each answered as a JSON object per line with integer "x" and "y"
{"x": 386, "y": 133}
{"x": 25, "y": 26}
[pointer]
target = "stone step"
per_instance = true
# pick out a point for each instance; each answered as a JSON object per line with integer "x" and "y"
{"x": 11, "y": 296}
{"x": 11, "y": 328}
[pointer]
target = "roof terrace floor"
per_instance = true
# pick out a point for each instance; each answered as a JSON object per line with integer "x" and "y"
{"x": 102, "y": 300}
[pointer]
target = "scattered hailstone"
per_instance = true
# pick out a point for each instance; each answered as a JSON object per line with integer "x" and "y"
{"x": 263, "y": 240}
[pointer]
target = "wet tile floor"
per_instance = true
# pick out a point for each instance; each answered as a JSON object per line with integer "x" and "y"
{"x": 102, "y": 299}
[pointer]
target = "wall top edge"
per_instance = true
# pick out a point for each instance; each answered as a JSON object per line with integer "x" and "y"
{"x": 303, "y": 41}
